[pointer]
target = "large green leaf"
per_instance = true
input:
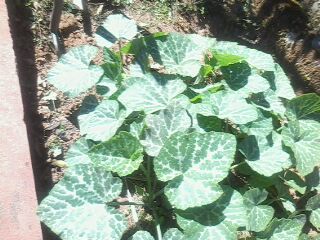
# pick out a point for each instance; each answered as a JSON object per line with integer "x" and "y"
{"x": 78, "y": 153}
{"x": 282, "y": 85}
{"x": 181, "y": 54}
{"x": 196, "y": 231}
{"x": 76, "y": 206}
{"x": 226, "y": 105}
{"x": 305, "y": 144}
{"x": 313, "y": 205}
{"x": 135, "y": 70}
{"x": 106, "y": 87}
{"x": 261, "y": 127}
{"x": 194, "y": 164}
{"x": 269, "y": 101}
{"x": 283, "y": 229}
{"x": 73, "y": 73}
{"x": 255, "y": 58}
{"x": 203, "y": 43}
{"x": 115, "y": 27}
{"x": 303, "y": 106}
{"x": 258, "y": 215}
{"x": 88, "y": 104}
{"x": 228, "y": 208}
{"x": 204, "y": 124}
{"x": 240, "y": 78}
{"x": 137, "y": 128}
{"x": 102, "y": 123}
{"x": 255, "y": 84}
{"x": 315, "y": 218}
{"x": 264, "y": 157}
{"x": 217, "y": 59}
{"x": 162, "y": 126}
{"x": 236, "y": 75}
{"x": 121, "y": 154}
{"x": 150, "y": 93}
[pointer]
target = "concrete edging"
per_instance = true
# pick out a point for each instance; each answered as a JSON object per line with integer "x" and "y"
{"x": 18, "y": 200}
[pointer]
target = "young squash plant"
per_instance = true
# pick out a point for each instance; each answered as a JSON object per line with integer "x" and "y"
{"x": 204, "y": 138}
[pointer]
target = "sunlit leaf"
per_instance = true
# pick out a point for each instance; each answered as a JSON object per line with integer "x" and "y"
{"x": 194, "y": 164}
{"x": 76, "y": 209}
{"x": 73, "y": 74}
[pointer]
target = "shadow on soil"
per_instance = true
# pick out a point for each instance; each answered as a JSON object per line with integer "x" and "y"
{"x": 20, "y": 23}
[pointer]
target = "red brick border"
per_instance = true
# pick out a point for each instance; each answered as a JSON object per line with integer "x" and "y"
{"x": 18, "y": 220}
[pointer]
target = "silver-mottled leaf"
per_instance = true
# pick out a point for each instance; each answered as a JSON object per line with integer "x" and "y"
{"x": 181, "y": 54}
{"x": 150, "y": 93}
{"x": 196, "y": 231}
{"x": 226, "y": 105}
{"x": 282, "y": 83}
{"x": 315, "y": 218}
{"x": 256, "y": 59}
{"x": 115, "y": 27}
{"x": 228, "y": 208}
{"x": 161, "y": 126}
{"x": 78, "y": 153}
{"x": 258, "y": 215}
{"x": 305, "y": 144}
{"x": 261, "y": 127}
{"x": 76, "y": 209}
{"x": 263, "y": 157}
{"x": 102, "y": 123}
{"x": 194, "y": 164}
{"x": 269, "y": 101}
{"x": 283, "y": 229}
{"x": 106, "y": 87}
{"x": 303, "y": 106}
{"x": 121, "y": 154}
{"x": 313, "y": 205}
{"x": 241, "y": 79}
{"x": 73, "y": 73}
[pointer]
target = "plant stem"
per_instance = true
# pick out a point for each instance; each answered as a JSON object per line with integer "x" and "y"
{"x": 149, "y": 177}
{"x": 151, "y": 197}
{"x": 136, "y": 179}
{"x": 144, "y": 170}
{"x": 120, "y": 52}
{"x": 158, "y": 229}
{"x": 157, "y": 194}
{"x": 237, "y": 165}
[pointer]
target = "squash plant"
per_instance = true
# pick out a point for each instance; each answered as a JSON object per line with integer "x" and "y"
{"x": 205, "y": 138}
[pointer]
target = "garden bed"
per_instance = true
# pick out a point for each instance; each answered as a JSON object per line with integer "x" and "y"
{"x": 51, "y": 118}
{"x": 298, "y": 59}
